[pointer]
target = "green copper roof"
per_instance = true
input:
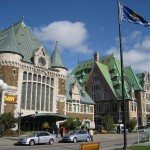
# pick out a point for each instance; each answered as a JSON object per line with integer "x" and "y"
{"x": 85, "y": 98}
{"x": 140, "y": 77}
{"x": 56, "y": 60}
{"x": 132, "y": 78}
{"x": 9, "y": 43}
{"x": 105, "y": 71}
{"x": 25, "y": 41}
{"x": 111, "y": 69}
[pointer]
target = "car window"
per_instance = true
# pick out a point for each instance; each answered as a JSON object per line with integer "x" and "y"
{"x": 82, "y": 132}
{"x": 72, "y": 132}
{"x": 33, "y": 134}
{"x": 46, "y": 134}
{"x": 41, "y": 134}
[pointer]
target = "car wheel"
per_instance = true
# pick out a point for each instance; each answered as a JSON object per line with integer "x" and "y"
{"x": 51, "y": 141}
{"x": 75, "y": 140}
{"x": 87, "y": 139}
{"x": 31, "y": 143}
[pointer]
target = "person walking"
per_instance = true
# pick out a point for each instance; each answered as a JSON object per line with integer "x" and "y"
{"x": 56, "y": 131}
{"x": 91, "y": 134}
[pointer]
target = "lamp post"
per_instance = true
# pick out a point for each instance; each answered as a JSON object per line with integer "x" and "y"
{"x": 119, "y": 117}
{"x": 3, "y": 85}
{"x": 19, "y": 123}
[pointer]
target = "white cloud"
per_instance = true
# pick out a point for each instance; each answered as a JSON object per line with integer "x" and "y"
{"x": 137, "y": 54}
{"x": 71, "y": 36}
{"x": 144, "y": 45}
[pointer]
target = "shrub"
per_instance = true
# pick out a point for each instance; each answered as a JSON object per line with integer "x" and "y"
{"x": 9, "y": 133}
{"x": 131, "y": 124}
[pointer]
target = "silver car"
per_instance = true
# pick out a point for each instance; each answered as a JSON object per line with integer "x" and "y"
{"x": 76, "y": 135}
{"x": 39, "y": 137}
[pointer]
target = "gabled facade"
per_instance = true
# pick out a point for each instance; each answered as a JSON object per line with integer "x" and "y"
{"x": 102, "y": 80}
{"x": 144, "y": 98}
{"x": 36, "y": 82}
{"x": 78, "y": 103}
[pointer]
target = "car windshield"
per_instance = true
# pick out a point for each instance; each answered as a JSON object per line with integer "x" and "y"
{"x": 72, "y": 132}
{"x": 33, "y": 134}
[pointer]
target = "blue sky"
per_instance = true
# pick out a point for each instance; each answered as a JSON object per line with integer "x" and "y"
{"x": 82, "y": 27}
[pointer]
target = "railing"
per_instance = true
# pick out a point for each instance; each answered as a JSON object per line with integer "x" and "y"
{"x": 143, "y": 134}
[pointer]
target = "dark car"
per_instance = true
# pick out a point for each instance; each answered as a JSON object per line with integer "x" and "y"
{"x": 76, "y": 135}
{"x": 38, "y": 137}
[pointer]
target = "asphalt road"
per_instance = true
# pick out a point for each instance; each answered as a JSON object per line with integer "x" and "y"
{"x": 108, "y": 142}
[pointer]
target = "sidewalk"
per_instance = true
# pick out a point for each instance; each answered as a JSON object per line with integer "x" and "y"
{"x": 7, "y": 141}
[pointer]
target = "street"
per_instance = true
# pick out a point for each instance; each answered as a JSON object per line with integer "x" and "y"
{"x": 108, "y": 142}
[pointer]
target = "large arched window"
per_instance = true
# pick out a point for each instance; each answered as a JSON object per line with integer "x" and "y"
{"x": 37, "y": 92}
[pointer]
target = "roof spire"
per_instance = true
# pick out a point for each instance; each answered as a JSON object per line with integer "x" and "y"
{"x": 22, "y": 19}
{"x": 56, "y": 58}
{"x": 56, "y": 43}
{"x": 96, "y": 56}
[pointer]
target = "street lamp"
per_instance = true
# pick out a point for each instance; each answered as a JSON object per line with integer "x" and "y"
{"x": 3, "y": 85}
{"x": 19, "y": 123}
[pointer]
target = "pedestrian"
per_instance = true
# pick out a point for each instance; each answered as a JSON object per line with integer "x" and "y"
{"x": 62, "y": 131}
{"x": 56, "y": 131}
{"x": 91, "y": 134}
{"x": 129, "y": 130}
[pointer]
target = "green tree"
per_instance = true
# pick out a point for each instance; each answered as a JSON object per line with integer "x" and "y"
{"x": 131, "y": 124}
{"x": 108, "y": 122}
{"x": 8, "y": 121}
{"x": 72, "y": 123}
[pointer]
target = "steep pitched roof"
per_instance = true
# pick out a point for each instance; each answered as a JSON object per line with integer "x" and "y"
{"x": 140, "y": 77}
{"x": 85, "y": 98}
{"x": 25, "y": 40}
{"x": 132, "y": 78}
{"x": 114, "y": 71}
{"x": 9, "y": 43}
{"x": 56, "y": 60}
{"x": 105, "y": 71}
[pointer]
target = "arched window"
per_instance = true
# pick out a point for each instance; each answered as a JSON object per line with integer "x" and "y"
{"x": 30, "y": 76}
{"x": 52, "y": 82}
{"x": 39, "y": 78}
{"x": 43, "y": 79}
{"x": 24, "y": 75}
{"x": 34, "y": 77}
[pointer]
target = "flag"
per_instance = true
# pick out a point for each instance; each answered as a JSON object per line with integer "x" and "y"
{"x": 129, "y": 15}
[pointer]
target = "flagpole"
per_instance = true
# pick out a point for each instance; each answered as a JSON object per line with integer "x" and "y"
{"x": 122, "y": 78}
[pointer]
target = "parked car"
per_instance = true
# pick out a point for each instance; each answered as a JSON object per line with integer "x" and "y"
{"x": 38, "y": 137}
{"x": 76, "y": 135}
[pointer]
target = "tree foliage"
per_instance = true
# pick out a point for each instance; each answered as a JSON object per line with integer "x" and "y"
{"x": 108, "y": 122}
{"x": 131, "y": 124}
{"x": 8, "y": 121}
{"x": 72, "y": 123}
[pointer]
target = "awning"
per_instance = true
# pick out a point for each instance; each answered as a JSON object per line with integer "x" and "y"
{"x": 44, "y": 117}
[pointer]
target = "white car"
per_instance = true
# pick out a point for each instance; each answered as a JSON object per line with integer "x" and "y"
{"x": 76, "y": 135}
{"x": 38, "y": 137}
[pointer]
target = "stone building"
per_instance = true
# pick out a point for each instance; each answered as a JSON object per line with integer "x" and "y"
{"x": 101, "y": 78}
{"x": 78, "y": 103}
{"x": 36, "y": 82}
